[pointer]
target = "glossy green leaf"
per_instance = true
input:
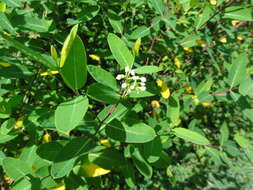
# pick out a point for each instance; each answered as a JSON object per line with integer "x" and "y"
{"x": 5, "y": 24}
{"x": 137, "y": 133}
{"x": 23, "y": 184}
{"x": 237, "y": 70}
{"x": 246, "y": 87}
{"x": 158, "y": 5}
{"x": 107, "y": 159}
{"x": 15, "y": 71}
{"x": 129, "y": 175}
{"x": 140, "y": 32}
{"x": 191, "y": 136}
{"x": 147, "y": 69}
{"x": 15, "y": 168}
{"x": 68, "y": 44}
{"x": 224, "y": 133}
{"x": 173, "y": 109}
{"x": 69, "y": 114}
{"x": 152, "y": 150}
{"x": 49, "y": 150}
{"x": 238, "y": 13}
{"x": 74, "y": 70}
{"x": 103, "y": 93}
{"x": 141, "y": 164}
{"x": 36, "y": 56}
{"x": 66, "y": 157}
{"x": 120, "y": 51}
{"x": 249, "y": 114}
{"x": 203, "y": 86}
{"x": 102, "y": 76}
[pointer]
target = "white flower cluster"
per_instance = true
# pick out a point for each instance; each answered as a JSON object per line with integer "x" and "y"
{"x": 131, "y": 82}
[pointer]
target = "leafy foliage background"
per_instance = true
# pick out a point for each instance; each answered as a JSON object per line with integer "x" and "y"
{"x": 201, "y": 51}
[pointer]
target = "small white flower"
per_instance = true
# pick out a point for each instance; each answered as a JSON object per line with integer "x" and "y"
{"x": 143, "y": 83}
{"x": 135, "y": 77}
{"x": 127, "y": 69}
{"x": 120, "y": 76}
{"x": 132, "y": 72}
{"x": 143, "y": 79}
{"x": 124, "y": 85}
{"x": 142, "y": 88}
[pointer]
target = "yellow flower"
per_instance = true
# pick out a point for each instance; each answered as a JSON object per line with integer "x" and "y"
{"x": 5, "y": 64}
{"x": 94, "y": 57}
{"x": 188, "y": 50}
{"x": 223, "y": 40}
{"x": 240, "y": 38}
{"x": 53, "y": 51}
{"x": 177, "y": 62}
{"x": 213, "y": 2}
{"x": 106, "y": 143}
{"x": 188, "y": 89}
{"x": 196, "y": 100}
{"x": 60, "y": 187}
{"x": 206, "y": 104}
{"x": 19, "y": 122}
{"x": 2, "y": 7}
{"x": 47, "y": 138}
{"x": 49, "y": 73}
{"x": 93, "y": 170}
{"x": 201, "y": 43}
{"x": 155, "y": 104}
{"x": 165, "y": 58}
{"x": 165, "y": 91}
{"x": 234, "y": 22}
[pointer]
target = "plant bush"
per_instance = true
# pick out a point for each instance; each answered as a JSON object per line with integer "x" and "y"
{"x": 134, "y": 94}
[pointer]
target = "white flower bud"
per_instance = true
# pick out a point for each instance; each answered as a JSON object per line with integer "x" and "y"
{"x": 120, "y": 76}
{"x": 143, "y": 79}
{"x": 127, "y": 69}
{"x": 124, "y": 85}
{"x": 143, "y": 83}
{"x": 142, "y": 88}
{"x": 135, "y": 77}
{"x": 132, "y": 72}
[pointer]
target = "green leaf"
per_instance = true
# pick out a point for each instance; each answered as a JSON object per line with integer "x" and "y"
{"x": 13, "y": 3}
{"x": 23, "y": 184}
{"x": 5, "y": 24}
{"x": 107, "y": 159}
{"x": 129, "y": 175}
{"x": 68, "y": 44}
{"x": 140, "y": 163}
{"x": 15, "y": 71}
{"x": 69, "y": 114}
{"x": 137, "y": 133}
{"x": 103, "y": 93}
{"x": 173, "y": 109}
{"x": 115, "y": 21}
{"x": 102, "y": 76}
{"x": 248, "y": 113}
{"x": 224, "y": 134}
{"x": 238, "y": 13}
{"x": 158, "y": 5}
{"x": 74, "y": 68}
{"x": 36, "y": 56}
{"x": 204, "y": 86}
{"x": 191, "y": 136}
{"x": 190, "y": 41}
{"x": 147, "y": 69}
{"x": 140, "y": 32}
{"x": 49, "y": 150}
{"x": 67, "y": 156}
{"x": 242, "y": 141}
{"x": 246, "y": 87}
{"x": 34, "y": 23}
{"x": 15, "y": 168}
{"x": 204, "y": 17}
{"x": 152, "y": 150}
{"x": 120, "y": 51}
{"x": 237, "y": 70}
